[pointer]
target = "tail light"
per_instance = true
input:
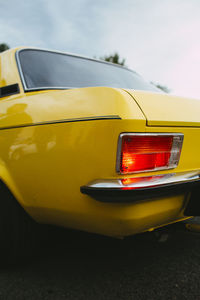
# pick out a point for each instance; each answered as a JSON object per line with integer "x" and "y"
{"x": 140, "y": 152}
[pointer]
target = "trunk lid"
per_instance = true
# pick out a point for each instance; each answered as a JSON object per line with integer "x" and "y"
{"x": 167, "y": 110}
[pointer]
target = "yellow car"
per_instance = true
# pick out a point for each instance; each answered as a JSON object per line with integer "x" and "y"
{"x": 90, "y": 145}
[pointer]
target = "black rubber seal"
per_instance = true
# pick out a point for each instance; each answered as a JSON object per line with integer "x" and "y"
{"x": 114, "y": 195}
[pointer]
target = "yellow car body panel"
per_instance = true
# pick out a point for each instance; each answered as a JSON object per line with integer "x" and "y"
{"x": 167, "y": 110}
{"x": 68, "y": 105}
{"x": 54, "y": 142}
{"x": 9, "y": 73}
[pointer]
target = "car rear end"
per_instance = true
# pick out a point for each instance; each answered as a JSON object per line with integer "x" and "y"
{"x": 157, "y": 170}
{"x": 116, "y": 161}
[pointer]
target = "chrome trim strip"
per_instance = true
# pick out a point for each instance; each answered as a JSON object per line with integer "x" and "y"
{"x": 143, "y": 134}
{"x": 146, "y": 181}
{"x": 20, "y": 69}
{"x": 48, "y": 88}
{"x": 98, "y": 118}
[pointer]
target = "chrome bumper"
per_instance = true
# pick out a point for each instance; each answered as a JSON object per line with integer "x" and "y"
{"x": 142, "y": 188}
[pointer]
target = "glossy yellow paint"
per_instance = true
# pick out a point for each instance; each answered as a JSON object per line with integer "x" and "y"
{"x": 8, "y": 69}
{"x": 167, "y": 110}
{"x": 48, "y": 106}
{"x": 45, "y": 165}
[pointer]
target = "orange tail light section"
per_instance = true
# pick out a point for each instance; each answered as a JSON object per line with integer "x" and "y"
{"x": 140, "y": 152}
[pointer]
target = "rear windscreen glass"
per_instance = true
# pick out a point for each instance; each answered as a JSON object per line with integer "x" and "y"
{"x": 45, "y": 69}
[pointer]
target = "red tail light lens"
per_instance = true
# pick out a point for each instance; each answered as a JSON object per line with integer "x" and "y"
{"x": 148, "y": 152}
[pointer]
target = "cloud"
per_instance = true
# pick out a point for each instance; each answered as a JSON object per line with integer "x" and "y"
{"x": 159, "y": 39}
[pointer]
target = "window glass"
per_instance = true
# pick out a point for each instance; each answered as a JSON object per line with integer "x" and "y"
{"x": 45, "y": 69}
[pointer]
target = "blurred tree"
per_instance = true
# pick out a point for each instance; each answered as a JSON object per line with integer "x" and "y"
{"x": 4, "y": 47}
{"x": 161, "y": 87}
{"x": 114, "y": 59}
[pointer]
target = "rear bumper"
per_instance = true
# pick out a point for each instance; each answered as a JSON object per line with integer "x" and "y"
{"x": 142, "y": 188}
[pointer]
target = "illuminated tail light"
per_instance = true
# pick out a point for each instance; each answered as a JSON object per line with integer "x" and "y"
{"x": 139, "y": 152}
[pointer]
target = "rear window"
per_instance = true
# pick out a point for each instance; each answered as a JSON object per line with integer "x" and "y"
{"x": 45, "y": 69}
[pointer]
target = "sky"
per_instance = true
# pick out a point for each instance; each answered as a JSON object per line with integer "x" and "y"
{"x": 160, "y": 39}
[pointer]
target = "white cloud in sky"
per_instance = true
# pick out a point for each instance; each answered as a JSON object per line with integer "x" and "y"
{"x": 159, "y": 39}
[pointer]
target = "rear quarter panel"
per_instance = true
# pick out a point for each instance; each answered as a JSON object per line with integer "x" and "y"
{"x": 49, "y": 150}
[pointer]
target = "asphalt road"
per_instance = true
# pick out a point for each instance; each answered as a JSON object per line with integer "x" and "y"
{"x": 73, "y": 265}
